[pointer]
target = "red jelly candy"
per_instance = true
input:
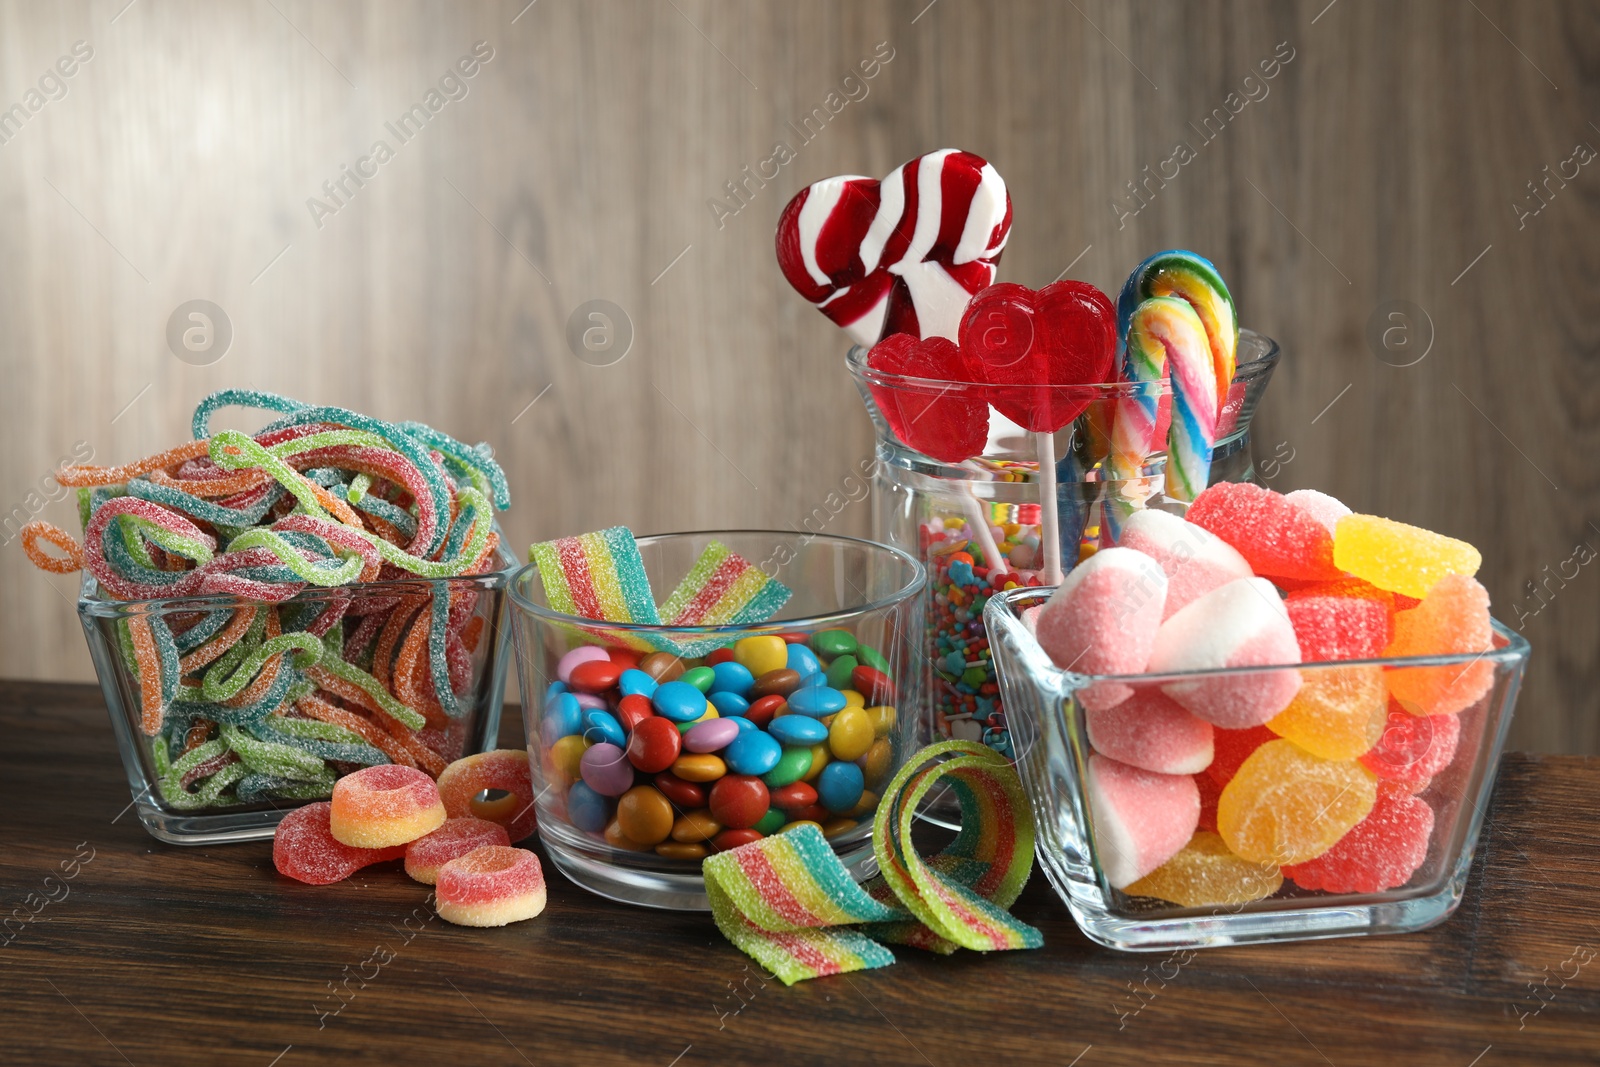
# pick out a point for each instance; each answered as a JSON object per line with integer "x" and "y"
{"x": 1380, "y": 852}
{"x": 1277, "y": 539}
{"x": 1231, "y": 748}
{"x": 1339, "y": 627}
{"x": 738, "y": 801}
{"x": 947, "y": 421}
{"x": 1413, "y": 747}
{"x": 456, "y": 837}
{"x": 1065, "y": 334}
{"x": 304, "y": 848}
{"x": 1210, "y": 793}
{"x": 655, "y": 744}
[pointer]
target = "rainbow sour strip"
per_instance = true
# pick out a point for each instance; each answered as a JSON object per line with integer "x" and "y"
{"x": 597, "y": 576}
{"x": 783, "y": 899}
{"x": 723, "y": 589}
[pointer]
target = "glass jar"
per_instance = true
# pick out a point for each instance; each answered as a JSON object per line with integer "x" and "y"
{"x": 1452, "y": 757}
{"x": 855, "y": 608}
{"x": 943, "y": 513}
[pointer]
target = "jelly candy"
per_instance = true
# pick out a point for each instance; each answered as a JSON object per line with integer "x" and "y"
{"x": 1413, "y": 748}
{"x": 1205, "y": 874}
{"x": 1405, "y": 559}
{"x": 1103, "y": 619}
{"x": 1339, "y": 627}
{"x": 723, "y": 589}
{"x": 1320, "y": 506}
{"x": 1241, "y": 624}
{"x": 1380, "y": 852}
{"x": 596, "y": 575}
{"x": 377, "y": 807}
{"x": 490, "y": 886}
{"x": 1232, "y": 747}
{"x": 1452, "y": 618}
{"x": 1338, "y": 714}
{"x": 1275, "y": 537}
{"x": 1194, "y": 560}
{"x": 1151, "y": 731}
{"x": 1287, "y": 806}
{"x": 1141, "y": 818}
{"x": 304, "y": 848}
{"x": 503, "y": 770}
{"x": 456, "y": 837}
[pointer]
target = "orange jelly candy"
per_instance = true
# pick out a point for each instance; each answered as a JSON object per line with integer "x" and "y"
{"x": 1452, "y": 618}
{"x": 1287, "y": 806}
{"x": 1338, "y": 714}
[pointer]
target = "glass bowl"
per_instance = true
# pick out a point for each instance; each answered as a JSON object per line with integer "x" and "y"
{"x": 279, "y": 732}
{"x": 1077, "y": 842}
{"x": 851, "y": 599}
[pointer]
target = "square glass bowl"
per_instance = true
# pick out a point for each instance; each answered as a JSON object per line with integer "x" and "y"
{"x": 1054, "y": 755}
{"x": 850, "y": 598}
{"x": 195, "y": 788}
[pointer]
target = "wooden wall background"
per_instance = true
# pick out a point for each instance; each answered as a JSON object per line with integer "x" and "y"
{"x": 1383, "y": 164}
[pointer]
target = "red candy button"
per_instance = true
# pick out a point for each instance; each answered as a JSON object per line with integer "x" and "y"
{"x": 761, "y": 711}
{"x": 739, "y": 801}
{"x": 793, "y": 797}
{"x": 872, "y": 684}
{"x": 730, "y": 839}
{"x": 795, "y": 639}
{"x": 813, "y": 813}
{"x": 625, "y": 657}
{"x": 654, "y": 745}
{"x": 721, "y": 655}
{"x": 685, "y": 796}
{"x": 596, "y": 675}
{"x": 634, "y": 709}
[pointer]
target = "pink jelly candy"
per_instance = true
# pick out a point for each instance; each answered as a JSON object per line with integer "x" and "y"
{"x": 1339, "y": 627}
{"x": 1194, "y": 560}
{"x": 1151, "y": 731}
{"x": 1380, "y": 852}
{"x": 456, "y": 837}
{"x": 1241, "y": 624}
{"x": 304, "y": 848}
{"x": 1277, "y": 538}
{"x": 1413, "y": 748}
{"x": 1103, "y": 619}
{"x": 490, "y": 886}
{"x": 1141, "y": 818}
{"x": 1320, "y": 506}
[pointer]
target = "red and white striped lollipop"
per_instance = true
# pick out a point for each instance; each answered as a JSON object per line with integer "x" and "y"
{"x": 904, "y": 255}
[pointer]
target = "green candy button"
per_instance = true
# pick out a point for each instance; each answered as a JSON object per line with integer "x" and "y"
{"x": 869, "y": 655}
{"x": 700, "y": 677}
{"x": 832, "y": 643}
{"x": 770, "y": 822}
{"x": 839, "y": 672}
{"x": 792, "y": 766}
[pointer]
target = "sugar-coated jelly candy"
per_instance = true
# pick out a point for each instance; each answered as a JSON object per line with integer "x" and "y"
{"x": 1338, "y": 714}
{"x": 1452, "y": 618}
{"x": 1103, "y": 619}
{"x": 490, "y": 886}
{"x": 1232, "y": 748}
{"x": 1205, "y": 873}
{"x": 1320, "y": 506}
{"x": 1339, "y": 627}
{"x": 1141, "y": 818}
{"x": 304, "y": 848}
{"x": 456, "y": 837}
{"x": 1380, "y": 852}
{"x": 1287, "y": 806}
{"x": 1405, "y": 559}
{"x": 386, "y": 805}
{"x": 1194, "y": 559}
{"x": 1413, "y": 748}
{"x": 1241, "y": 624}
{"x": 1151, "y": 731}
{"x": 503, "y": 770}
{"x": 1277, "y": 538}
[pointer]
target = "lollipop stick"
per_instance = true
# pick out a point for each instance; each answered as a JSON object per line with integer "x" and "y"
{"x": 1050, "y": 520}
{"x": 980, "y": 524}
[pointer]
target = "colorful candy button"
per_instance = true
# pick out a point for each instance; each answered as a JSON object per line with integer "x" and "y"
{"x": 655, "y": 745}
{"x": 797, "y": 730}
{"x": 803, "y": 661}
{"x": 840, "y": 670}
{"x": 759, "y": 655}
{"x": 603, "y": 726}
{"x": 588, "y": 810}
{"x": 780, "y": 682}
{"x": 753, "y": 753}
{"x": 606, "y": 769}
{"x": 791, "y": 766}
{"x": 739, "y": 801}
{"x": 636, "y": 682}
{"x": 645, "y": 815}
{"x": 816, "y": 701}
{"x": 850, "y": 734}
{"x": 728, "y": 703}
{"x": 839, "y": 787}
{"x": 583, "y": 654}
{"x": 595, "y": 676}
{"x": 699, "y": 767}
{"x": 711, "y": 735}
{"x": 834, "y": 643}
{"x": 699, "y": 677}
{"x": 679, "y": 701}
{"x": 731, "y": 677}
{"x": 685, "y": 795}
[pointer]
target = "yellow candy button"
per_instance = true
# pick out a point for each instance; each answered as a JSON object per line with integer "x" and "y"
{"x": 883, "y": 720}
{"x": 567, "y": 753}
{"x": 702, "y": 767}
{"x": 850, "y": 735}
{"x": 820, "y": 758}
{"x": 759, "y": 655}
{"x": 853, "y": 699}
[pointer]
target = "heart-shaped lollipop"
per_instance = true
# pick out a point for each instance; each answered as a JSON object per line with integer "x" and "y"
{"x": 1022, "y": 341}
{"x": 947, "y": 417}
{"x": 911, "y": 249}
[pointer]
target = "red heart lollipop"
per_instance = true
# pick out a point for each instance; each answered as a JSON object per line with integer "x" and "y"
{"x": 946, "y": 417}
{"x": 932, "y": 232}
{"x": 1065, "y": 334}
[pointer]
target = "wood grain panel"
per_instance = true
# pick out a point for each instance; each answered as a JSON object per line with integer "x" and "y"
{"x": 1380, "y": 163}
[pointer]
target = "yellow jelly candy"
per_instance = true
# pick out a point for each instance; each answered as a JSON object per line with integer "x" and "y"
{"x": 1205, "y": 874}
{"x": 1287, "y": 806}
{"x": 1338, "y": 714}
{"x": 1452, "y": 619}
{"x": 850, "y": 734}
{"x": 759, "y": 655}
{"x": 1402, "y": 559}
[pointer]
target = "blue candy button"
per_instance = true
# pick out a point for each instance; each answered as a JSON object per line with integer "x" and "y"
{"x": 679, "y": 701}
{"x": 732, "y": 677}
{"x": 728, "y": 703}
{"x": 839, "y": 786}
{"x": 601, "y": 726}
{"x": 635, "y": 682}
{"x": 752, "y": 752}
{"x": 798, "y": 730}
{"x": 816, "y": 701}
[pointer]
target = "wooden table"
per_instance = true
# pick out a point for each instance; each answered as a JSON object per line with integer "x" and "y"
{"x": 162, "y": 955}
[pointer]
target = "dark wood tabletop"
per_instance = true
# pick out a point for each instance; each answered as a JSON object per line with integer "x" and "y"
{"x": 155, "y": 954}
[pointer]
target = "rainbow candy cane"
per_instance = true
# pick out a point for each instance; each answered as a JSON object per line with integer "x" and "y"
{"x": 1165, "y": 336}
{"x": 1195, "y": 280}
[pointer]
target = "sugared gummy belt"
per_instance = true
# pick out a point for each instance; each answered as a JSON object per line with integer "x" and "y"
{"x": 790, "y": 903}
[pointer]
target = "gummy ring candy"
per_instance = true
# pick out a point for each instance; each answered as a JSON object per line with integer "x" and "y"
{"x": 491, "y": 886}
{"x": 377, "y": 807}
{"x": 455, "y": 838}
{"x": 504, "y": 769}
{"x": 304, "y": 848}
